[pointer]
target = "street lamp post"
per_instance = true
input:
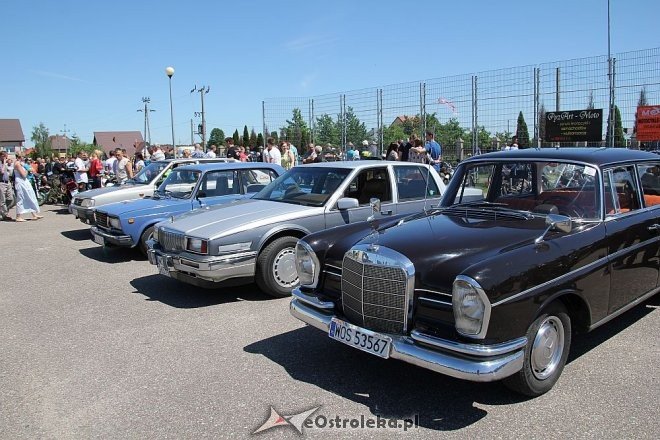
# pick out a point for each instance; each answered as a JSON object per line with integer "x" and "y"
{"x": 170, "y": 71}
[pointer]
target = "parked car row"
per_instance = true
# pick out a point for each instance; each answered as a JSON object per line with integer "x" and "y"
{"x": 484, "y": 279}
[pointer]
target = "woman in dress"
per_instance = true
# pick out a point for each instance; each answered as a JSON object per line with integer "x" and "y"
{"x": 288, "y": 159}
{"x": 26, "y": 199}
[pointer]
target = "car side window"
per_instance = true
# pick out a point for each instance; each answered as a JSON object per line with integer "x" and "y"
{"x": 411, "y": 183}
{"x": 649, "y": 176}
{"x": 370, "y": 183}
{"x": 621, "y": 191}
{"x": 256, "y": 178}
{"x": 220, "y": 183}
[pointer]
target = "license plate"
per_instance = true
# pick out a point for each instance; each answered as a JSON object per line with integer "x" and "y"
{"x": 98, "y": 239}
{"x": 162, "y": 267}
{"x": 360, "y": 338}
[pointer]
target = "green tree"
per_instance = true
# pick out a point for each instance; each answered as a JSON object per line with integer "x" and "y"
{"x": 296, "y": 130}
{"x": 449, "y": 133}
{"x": 217, "y": 137}
{"x": 591, "y": 105}
{"x": 640, "y": 102}
{"x": 327, "y": 131}
{"x": 522, "y": 132}
{"x": 42, "y": 144}
{"x": 253, "y": 138}
{"x": 78, "y": 145}
{"x": 619, "y": 140}
{"x": 260, "y": 140}
{"x": 246, "y": 137}
{"x": 275, "y": 136}
{"x": 236, "y": 138}
{"x": 356, "y": 130}
{"x": 393, "y": 133}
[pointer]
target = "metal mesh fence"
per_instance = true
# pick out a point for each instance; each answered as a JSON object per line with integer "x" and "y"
{"x": 473, "y": 113}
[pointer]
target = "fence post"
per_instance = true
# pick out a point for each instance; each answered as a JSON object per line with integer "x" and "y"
{"x": 459, "y": 146}
{"x": 263, "y": 127}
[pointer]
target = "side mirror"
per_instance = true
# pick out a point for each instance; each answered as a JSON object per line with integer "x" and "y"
{"x": 347, "y": 203}
{"x": 556, "y": 222}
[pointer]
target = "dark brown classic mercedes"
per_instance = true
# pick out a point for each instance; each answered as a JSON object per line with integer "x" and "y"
{"x": 562, "y": 240}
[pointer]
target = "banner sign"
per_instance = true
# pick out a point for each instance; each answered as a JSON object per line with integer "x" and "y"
{"x": 574, "y": 126}
{"x": 648, "y": 123}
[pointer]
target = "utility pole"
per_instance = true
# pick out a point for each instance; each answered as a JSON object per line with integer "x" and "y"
{"x": 66, "y": 145}
{"x": 147, "y": 131}
{"x": 202, "y": 91}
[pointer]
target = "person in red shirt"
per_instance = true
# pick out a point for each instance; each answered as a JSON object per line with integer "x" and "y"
{"x": 95, "y": 168}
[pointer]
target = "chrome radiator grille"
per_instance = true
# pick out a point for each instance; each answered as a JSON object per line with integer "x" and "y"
{"x": 374, "y": 296}
{"x": 101, "y": 219}
{"x": 170, "y": 241}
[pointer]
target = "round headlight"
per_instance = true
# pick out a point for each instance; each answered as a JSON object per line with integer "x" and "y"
{"x": 471, "y": 307}
{"x": 307, "y": 264}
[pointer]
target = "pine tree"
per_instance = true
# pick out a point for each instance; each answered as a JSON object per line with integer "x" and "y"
{"x": 236, "y": 138}
{"x": 246, "y": 137}
{"x": 619, "y": 140}
{"x": 522, "y": 132}
{"x": 641, "y": 102}
{"x": 260, "y": 140}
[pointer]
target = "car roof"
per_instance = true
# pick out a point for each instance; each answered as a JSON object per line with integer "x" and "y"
{"x": 597, "y": 156}
{"x": 228, "y": 166}
{"x": 353, "y": 164}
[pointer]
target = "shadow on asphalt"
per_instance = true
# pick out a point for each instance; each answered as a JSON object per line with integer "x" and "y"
{"x": 78, "y": 234}
{"x": 584, "y": 343}
{"x": 390, "y": 389}
{"x": 185, "y": 296}
{"x": 394, "y": 389}
{"x": 106, "y": 254}
{"x": 61, "y": 211}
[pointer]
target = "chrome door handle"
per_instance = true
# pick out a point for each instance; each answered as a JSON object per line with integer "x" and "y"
{"x": 654, "y": 228}
{"x": 388, "y": 212}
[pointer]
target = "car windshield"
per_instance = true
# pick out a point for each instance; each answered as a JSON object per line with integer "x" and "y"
{"x": 179, "y": 184}
{"x": 149, "y": 173}
{"x": 304, "y": 185}
{"x": 539, "y": 187}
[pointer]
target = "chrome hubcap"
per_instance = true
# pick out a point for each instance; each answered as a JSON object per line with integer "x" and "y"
{"x": 284, "y": 268}
{"x": 547, "y": 348}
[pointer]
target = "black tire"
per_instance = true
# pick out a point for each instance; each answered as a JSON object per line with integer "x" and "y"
{"x": 532, "y": 380}
{"x": 146, "y": 235}
{"x": 274, "y": 265}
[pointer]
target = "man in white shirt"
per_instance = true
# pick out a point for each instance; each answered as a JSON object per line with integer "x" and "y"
{"x": 110, "y": 163}
{"x": 122, "y": 170}
{"x": 272, "y": 153}
{"x": 211, "y": 152}
{"x": 514, "y": 144}
{"x": 158, "y": 154}
{"x": 81, "y": 171}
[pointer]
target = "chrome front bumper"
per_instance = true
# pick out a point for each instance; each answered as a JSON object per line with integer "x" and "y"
{"x": 116, "y": 240}
{"x": 193, "y": 268}
{"x": 474, "y": 362}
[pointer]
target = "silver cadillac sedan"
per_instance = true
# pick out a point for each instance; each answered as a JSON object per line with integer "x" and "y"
{"x": 255, "y": 239}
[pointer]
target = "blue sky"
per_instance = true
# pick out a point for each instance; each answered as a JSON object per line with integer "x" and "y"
{"x": 87, "y": 64}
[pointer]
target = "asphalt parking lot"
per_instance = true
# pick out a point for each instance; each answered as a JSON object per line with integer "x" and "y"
{"x": 95, "y": 344}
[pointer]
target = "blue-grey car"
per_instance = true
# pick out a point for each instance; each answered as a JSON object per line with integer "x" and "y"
{"x": 130, "y": 223}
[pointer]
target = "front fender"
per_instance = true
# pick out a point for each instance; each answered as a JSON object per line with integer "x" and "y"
{"x": 297, "y": 229}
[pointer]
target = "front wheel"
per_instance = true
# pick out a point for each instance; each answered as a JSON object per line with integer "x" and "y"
{"x": 146, "y": 236}
{"x": 276, "y": 267}
{"x": 549, "y": 341}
